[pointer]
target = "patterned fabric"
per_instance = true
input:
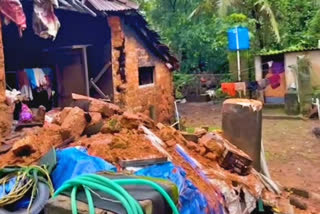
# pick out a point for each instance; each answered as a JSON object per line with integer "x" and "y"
{"x": 13, "y": 11}
{"x": 45, "y": 23}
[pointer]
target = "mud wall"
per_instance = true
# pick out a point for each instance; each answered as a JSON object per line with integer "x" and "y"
{"x": 2, "y": 72}
{"x": 128, "y": 54}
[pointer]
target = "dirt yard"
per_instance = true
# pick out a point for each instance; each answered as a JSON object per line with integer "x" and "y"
{"x": 292, "y": 151}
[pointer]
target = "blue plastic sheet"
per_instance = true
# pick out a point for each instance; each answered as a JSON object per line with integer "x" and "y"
{"x": 192, "y": 201}
{"x": 4, "y": 190}
{"x": 73, "y": 162}
{"x": 243, "y": 36}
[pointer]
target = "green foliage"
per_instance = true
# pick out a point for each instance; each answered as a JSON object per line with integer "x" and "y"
{"x": 181, "y": 81}
{"x": 196, "y": 29}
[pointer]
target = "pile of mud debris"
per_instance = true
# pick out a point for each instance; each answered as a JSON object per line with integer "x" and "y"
{"x": 219, "y": 170}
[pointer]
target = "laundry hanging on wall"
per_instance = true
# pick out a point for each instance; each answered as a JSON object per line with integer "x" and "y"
{"x": 13, "y": 11}
{"x": 45, "y": 23}
{"x": 24, "y": 84}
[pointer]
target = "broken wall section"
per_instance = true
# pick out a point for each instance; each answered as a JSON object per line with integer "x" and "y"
{"x": 155, "y": 99}
{"x": 2, "y": 69}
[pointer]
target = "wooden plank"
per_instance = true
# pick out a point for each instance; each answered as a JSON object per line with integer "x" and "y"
{"x": 86, "y": 72}
{"x": 103, "y": 70}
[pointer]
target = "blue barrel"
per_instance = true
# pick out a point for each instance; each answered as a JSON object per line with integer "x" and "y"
{"x": 244, "y": 40}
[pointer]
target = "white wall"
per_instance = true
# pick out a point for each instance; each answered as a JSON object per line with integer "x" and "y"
{"x": 291, "y": 59}
{"x": 258, "y": 67}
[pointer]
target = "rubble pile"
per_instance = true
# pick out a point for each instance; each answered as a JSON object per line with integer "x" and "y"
{"x": 218, "y": 169}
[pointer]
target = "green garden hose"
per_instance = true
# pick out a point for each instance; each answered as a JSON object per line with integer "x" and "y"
{"x": 113, "y": 188}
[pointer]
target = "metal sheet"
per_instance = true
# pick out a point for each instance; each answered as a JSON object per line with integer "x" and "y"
{"x": 113, "y": 5}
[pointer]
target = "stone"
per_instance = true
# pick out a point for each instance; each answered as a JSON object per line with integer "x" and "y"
{"x": 75, "y": 122}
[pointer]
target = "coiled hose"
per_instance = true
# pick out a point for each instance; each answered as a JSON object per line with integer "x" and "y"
{"x": 113, "y": 188}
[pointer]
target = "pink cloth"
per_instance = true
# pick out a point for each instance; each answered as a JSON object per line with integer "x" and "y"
{"x": 45, "y": 23}
{"x": 13, "y": 11}
{"x": 274, "y": 81}
{"x": 25, "y": 114}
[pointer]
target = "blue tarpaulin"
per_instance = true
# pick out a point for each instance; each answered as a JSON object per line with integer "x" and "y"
{"x": 243, "y": 36}
{"x": 73, "y": 162}
{"x": 192, "y": 201}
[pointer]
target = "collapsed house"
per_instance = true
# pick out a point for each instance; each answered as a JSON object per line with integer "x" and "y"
{"x": 103, "y": 49}
{"x": 224, "y": 176}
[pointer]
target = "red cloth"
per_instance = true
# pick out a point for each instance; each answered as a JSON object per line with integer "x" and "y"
{"x": 229, "y": 88}
{"x": 22, "y": 78}
{"x": 275, "y": 81}
{"x": 12, "y": 10}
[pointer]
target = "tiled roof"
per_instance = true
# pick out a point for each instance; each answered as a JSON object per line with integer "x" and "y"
{"x": 288, "y": 50}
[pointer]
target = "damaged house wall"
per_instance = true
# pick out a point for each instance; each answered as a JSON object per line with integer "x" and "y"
{"x": 129, "y": 53}
{"x": 2, "y": 71}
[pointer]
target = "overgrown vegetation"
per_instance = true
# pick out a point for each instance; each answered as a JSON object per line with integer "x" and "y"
{"x": 196, "y": 29}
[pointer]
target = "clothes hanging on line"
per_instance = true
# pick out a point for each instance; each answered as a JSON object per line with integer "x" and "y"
{"x": 277, "y": 67}
{"x": 45, "y": 23}
{"x": 253, "y": 86}
{"x": 36, "y": 77}
{"x": 229, "y": 88}
{"x": 13, "y": 11}
{"x": 40, "y": 77}
{"x": 241, "y": 87}
{"x": 275, "y": 81}
{"x": 262, "y": 84}
{"x": 24, "y": 85}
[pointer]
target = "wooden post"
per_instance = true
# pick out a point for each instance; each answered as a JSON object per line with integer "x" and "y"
{"x": 2, "y": 70}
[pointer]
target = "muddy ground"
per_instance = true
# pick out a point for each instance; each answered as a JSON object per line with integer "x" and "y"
{"x": 292, "y": 151}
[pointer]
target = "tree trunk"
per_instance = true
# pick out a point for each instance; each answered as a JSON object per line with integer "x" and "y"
{"x": 2, "y": 69}
{"x": 258, "y": 28}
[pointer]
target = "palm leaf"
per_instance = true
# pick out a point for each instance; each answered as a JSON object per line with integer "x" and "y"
{"x": 266, "y": 7}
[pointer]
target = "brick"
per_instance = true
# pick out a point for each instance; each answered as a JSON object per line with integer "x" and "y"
{"x": 191, "y": 145}
{"x": 211, "y": 143}
{"x": 75, "y": 122}
{"x": 59, "y": 118}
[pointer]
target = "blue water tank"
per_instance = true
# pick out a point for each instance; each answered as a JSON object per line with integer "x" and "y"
{"x": 243, "y": 35}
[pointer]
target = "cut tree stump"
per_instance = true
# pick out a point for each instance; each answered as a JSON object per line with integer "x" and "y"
{"x": 242, "y": 124}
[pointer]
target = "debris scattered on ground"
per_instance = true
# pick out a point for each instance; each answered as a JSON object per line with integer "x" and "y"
{"x": 121, "y": 138}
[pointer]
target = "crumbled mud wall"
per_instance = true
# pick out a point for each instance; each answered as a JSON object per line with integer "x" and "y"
{"x": 5, "y": 111}
{"x": 2, "y": 72}
{"x": 128, "y": 54}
